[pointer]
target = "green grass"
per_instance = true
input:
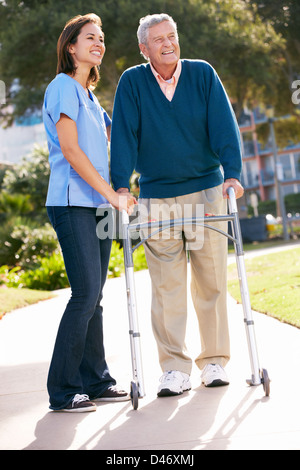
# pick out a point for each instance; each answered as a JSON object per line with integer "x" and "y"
{"x": 12, "y": 298}
{"x": 274, "y": 285}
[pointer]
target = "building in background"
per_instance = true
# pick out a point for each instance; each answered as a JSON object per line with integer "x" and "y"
{"x": 258, "y": 163}
{"x": 18, "y": 140}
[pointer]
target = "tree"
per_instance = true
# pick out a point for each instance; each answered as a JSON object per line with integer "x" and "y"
{"x": 228, "y": 33}
{"x": 245, "y": 50}
{"x": 284, "y": 16}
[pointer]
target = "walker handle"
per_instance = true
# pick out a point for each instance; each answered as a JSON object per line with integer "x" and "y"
{"x": 125, "y": 217}
{"x": 232, "y": 200}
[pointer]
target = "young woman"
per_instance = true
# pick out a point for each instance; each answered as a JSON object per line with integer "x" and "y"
{"x": 77, "y": 130}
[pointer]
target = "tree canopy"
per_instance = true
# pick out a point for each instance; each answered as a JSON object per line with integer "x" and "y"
{"x": 241, "y": 39}
{"x": 284, "y": 16}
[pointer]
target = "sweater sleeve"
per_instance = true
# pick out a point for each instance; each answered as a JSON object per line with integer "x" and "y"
{"x": 124, "y": 134}
{"x": 223, "y": 130}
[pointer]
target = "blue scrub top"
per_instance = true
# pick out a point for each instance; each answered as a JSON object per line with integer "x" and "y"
{"x": 65, "y": 95}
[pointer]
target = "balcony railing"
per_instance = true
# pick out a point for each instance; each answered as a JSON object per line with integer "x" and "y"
{"x": 249, "y": 149}
{"x": 249, "y": 180}
{"x": 267, "y": 177}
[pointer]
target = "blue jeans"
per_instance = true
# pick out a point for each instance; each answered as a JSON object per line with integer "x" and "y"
{"x": 78, "y": 363}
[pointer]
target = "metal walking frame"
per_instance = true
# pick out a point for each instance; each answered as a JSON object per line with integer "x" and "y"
{"x": 259, "y": 376}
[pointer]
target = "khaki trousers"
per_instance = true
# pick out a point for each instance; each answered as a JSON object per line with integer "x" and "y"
{"x": 166, "y": 256}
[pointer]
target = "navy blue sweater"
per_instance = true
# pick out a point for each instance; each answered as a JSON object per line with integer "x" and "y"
{"x": 177, "y": 147}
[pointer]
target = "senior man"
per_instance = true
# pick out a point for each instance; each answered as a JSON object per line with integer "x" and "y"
{"x": 173, "y": 123}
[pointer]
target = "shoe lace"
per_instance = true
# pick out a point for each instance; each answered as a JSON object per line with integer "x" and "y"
{"x": 79, "y": 398}
{"x": 168, "y": 376}
{"x": 214, "y": 367}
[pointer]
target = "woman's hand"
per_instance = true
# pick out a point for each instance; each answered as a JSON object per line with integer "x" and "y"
{"x": 123, "y": 200}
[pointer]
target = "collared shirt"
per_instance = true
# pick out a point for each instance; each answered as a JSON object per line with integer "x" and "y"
{"x": 65, "y": 95}
{"x": 168, "y": 87}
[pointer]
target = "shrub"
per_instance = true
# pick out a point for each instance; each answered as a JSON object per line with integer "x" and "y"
{"x": 49, "y": 272}
{"x": 36, "y": 244}
{"x": 8, "y": 245}
{"x": 116, "y": 264}
{"x": 292, "y": 203}
{"x": 30, "y": 176}
{"x": 49, "y": 275}
{"x": 139, "y": 259}
{"x": 15, "y": 204}
{"x": 21, "y": 242}
{"x": 10, "y": 277}
{"x": 267, "y": 207}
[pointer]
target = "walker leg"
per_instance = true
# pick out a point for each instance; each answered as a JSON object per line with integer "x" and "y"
{"x": 249, "y": 323}
{"x": 137, "y": 385}
{"x": 258, "y": 377}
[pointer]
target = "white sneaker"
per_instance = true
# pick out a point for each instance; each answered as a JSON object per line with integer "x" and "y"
{"x": 214, "y": 375}
{"x": 173, "y": 382}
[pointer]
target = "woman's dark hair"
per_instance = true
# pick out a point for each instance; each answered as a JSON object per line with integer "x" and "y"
{"x": 69, "y": 36}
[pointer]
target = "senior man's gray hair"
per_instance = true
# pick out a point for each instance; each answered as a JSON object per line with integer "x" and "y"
{"x": 149, "y": 21}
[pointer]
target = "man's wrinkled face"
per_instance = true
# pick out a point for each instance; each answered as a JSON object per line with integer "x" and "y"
{"x": 162, "y": 48}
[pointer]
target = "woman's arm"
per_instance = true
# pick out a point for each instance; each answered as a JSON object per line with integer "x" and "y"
{"x": 68, "y": 139}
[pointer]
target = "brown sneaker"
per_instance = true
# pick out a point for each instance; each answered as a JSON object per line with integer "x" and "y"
{"x": 80, "y": 404}
{"x": 113, "y": 394}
